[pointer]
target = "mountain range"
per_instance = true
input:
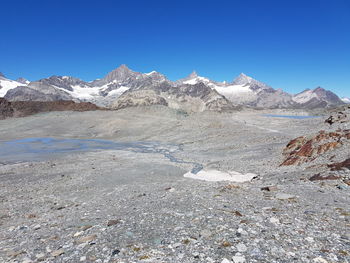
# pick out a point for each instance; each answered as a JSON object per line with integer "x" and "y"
{"x": 123, "y": 87}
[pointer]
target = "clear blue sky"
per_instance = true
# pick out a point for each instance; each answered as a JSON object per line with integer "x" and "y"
{"x": 291, "y": 45}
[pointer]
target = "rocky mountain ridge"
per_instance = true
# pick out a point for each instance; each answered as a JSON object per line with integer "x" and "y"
{"x": 25, "y": 108}
{"x": 116, "y": 87}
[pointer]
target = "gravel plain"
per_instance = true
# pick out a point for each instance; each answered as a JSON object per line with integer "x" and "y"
{"x": 127, "y": 206}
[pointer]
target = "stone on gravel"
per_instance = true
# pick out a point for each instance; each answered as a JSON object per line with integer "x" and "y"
{"x": 206, "y": 233}
{"x": 241, "y": 247}
{"x": 40, "y": 256}
{"x": 86, "y": 239}
{"x": 238, "y": 259}
{"x": 283, "y": 196}
{"x": 113, "y": 222}
{"x": 57, "y": 253}
{"x": 319, "y": 260}
{"x": 269, "y": 188}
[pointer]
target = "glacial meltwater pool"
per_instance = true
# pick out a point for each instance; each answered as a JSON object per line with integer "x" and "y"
{"x": 300, "y": 117}
{"x": 40, "y": 149}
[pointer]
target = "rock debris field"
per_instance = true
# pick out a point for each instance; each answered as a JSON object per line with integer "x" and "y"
{"x": 120, "y": 205}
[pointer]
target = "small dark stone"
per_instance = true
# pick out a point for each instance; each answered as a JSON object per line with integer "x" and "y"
{"x": 269, "y": 188}
{"x": 113, "y": 222}
{"x": 115, "y": 252}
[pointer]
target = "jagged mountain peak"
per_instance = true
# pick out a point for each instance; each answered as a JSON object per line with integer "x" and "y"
{"x": 2, "y": 75}
{"x": 317, "y": 97}
{"x": 192, "y": 79}
{"x": 319, "y": 89}
{"x": 242, "y": 79}
{"x": 122, "y": 68}
{"x": 120, "y": 74}
{"x": 22, "y": 80}
{"x": 255, "y": 85}
{"x": 193, "y": 75}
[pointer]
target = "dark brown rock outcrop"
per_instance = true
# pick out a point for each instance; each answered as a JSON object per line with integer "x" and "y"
{"x": 340, "y": 166}
{"x": 26, "y": 108}
{"x": 307, "y": 148}
{"x": 6, "y": 109}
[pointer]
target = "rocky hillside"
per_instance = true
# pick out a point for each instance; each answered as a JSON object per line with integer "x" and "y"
{"x": 25, "y": 108}
{"x": 242, "y": 91}
{"x": 317, "y": 98}
{"x": 6, "y": 110}
{"x": 326, "y": 152}
{"x": 190, "y": 98}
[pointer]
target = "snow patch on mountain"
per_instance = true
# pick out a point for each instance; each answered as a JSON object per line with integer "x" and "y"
{"x": 346, "y": 100}
{"x": 304, "y": 96}
{"x": 6, "y": 85}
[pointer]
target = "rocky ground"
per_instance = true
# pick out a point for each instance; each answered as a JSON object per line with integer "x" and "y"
{"x": 123, "y": 206}
{"x": 25, "y": 108}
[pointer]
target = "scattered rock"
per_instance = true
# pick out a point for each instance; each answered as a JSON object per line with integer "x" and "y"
{"x": 113, "y": 222}
{"x": 269, "y": 188}
{"x": 40, "y": 256}
{"x": 319, "y": 260}
{"x": 238, "y": 259}
{"x": 85, "y": 227}
{"x": 342, "y": 186}
{"x": 274, "y": 220}
{"x": 86, "y": 239}
{"x": 15, "y": 253}
{"x": 340, "y": 166}
{"x": 241, "y": 247}
{"x": 283, "y": 196}
{"x": 57, "y": 253}
{"x": 319, "y": 177}
{"x": 27, "y": 260}
{"x": 36, "y": 227}
{"x": 206, "y": 233}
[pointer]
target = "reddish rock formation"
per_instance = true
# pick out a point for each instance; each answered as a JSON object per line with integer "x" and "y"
{"x": 319, "y": 177}
{"x": 340, "y": 166}
{"x": 306, "y": 149}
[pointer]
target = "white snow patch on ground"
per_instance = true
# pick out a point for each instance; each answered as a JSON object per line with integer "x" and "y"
{"x": 217, "y": 176}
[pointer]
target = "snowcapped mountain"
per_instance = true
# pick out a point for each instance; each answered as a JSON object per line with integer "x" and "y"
{"x": 244, "y": 90}
{"x": 123, "y": 86}
{"x": 346, "y": 100}
{"x": 7, "y": 84}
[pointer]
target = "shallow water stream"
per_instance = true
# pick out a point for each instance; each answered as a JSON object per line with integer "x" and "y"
{"x": 40, "y": 149}
{"x": 291, "y": 116}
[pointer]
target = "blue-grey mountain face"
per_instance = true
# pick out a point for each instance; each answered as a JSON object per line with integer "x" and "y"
{"x": 123, "y": 86}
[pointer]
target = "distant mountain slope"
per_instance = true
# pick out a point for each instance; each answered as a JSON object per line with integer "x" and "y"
{"x": 243, "y": 90}
{"x": 191, "y": 98}
{"x": 316, "y": 98}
